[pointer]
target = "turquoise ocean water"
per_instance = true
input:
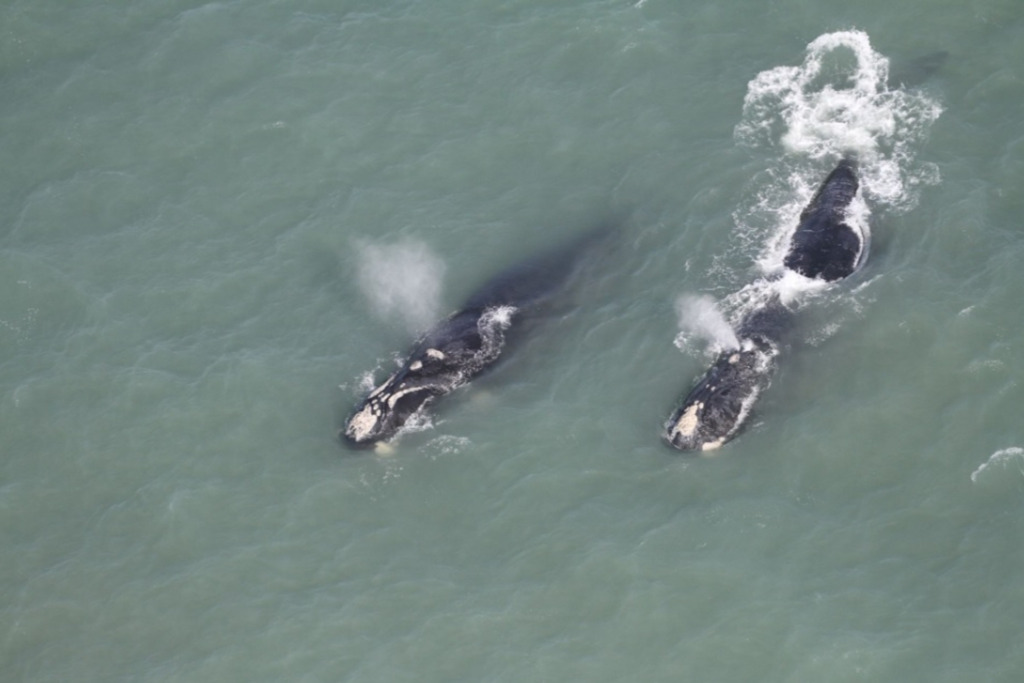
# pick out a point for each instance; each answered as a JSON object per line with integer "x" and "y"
{"x": 220, "y": 221}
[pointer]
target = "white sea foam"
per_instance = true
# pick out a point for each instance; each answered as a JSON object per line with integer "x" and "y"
{"x": 367, "y": 382}
{"x": 447, "y": 444}
{"x": 1002, "y": 458}
{"x": 420, "y": 421}
{"x": 402, "y": 280}
{"x": 499, "y": 317}
{"x": 837, "y": 102}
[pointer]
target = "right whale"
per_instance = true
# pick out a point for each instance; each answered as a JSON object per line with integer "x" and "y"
{"x": 469, "y": 341}
{"x": 825, "y": 246}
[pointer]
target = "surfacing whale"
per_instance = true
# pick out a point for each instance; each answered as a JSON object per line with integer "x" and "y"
{"x": 717, "y": 406}
{"x": 466, "y": 343}
{"x": 826, "y": 247}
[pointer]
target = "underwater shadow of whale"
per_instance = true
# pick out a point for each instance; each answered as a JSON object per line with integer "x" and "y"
{"x": 824, "y": 247}
{"x": 468, "y": 342}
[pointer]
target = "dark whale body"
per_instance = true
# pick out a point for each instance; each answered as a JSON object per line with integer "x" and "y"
{"x": 464, "y": 344}
{"x": 823, "y": 247}
{"x": 720, "y": 402}
{"x": 913, "y": 72}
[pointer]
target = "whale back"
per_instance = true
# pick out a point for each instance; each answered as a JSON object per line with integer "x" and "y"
{"x": 825, "y": 246}
{"x": 529, "y": 284}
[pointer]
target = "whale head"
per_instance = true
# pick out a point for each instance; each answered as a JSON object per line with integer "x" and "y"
{"x": 429, "y": 373}
{"x": 716, "y": 408}
{"x": 451, "y": 354}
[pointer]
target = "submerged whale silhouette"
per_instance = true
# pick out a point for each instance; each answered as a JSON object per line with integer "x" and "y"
{"x": 825, "y": 246}
{"x": 911, "y": 73}
{"x": 466, "y": 343}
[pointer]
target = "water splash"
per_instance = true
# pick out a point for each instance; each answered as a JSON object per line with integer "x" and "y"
{"x": 839, "y": 102}
{"x": 402, "y": 280}
{"x": 700, "y": 317}
{"x": 497, "y": 318}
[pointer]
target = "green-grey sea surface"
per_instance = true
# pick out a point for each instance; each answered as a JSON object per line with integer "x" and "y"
{"x": 194, "y": 197}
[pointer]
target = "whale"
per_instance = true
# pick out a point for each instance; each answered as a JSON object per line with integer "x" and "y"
{"x": 467, "y": 342}
{"x": 825, "y": 246}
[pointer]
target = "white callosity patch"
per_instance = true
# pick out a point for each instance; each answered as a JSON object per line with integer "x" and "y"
{"x": 362, "y": 425}
{"x": 396, "y": 396}
{"x": 688, "y": 422}
{"x": 376, "y": 392}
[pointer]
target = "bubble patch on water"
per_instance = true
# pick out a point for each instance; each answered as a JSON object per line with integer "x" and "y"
{"x": 446, "y": 444}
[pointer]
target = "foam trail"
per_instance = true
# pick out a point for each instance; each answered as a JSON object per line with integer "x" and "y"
{"x": 839, "y": 102}
{"x": 700, "y": 317}
{"x": 1002, "y": 457}
{"x": 402, "y": 280}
